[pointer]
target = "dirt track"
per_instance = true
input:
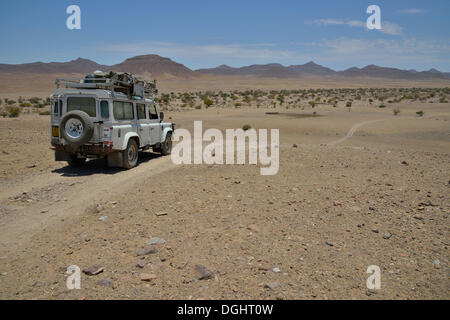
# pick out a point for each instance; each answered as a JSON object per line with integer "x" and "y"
{"x": 351, "y": 180}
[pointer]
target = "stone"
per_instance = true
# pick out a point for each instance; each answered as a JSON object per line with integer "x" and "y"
{"x": 203, "y": 273}
{"x": 93, "y": 270}
{"x": 155, "y": 240}
{"x": 387, "y": 236}
{"x": 147, "y": 250}
{"x": 105, "y": 282}
{"x": 272, "y": 285}
{"x": 253, "y": 228}
{"x": 140, "y": 264}
{"x": 147, "y": 277}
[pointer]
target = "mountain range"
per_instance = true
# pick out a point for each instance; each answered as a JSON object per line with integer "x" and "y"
{"x": 158, "y": 66}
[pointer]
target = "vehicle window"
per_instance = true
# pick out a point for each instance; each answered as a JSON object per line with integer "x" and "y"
{"x": 83, "y": 104}
{"x": 55, "y": 107}
{"x": 152, "y": 112}
{"x": 123, "y": 110}
{"x": 140, "y": 108}
{"x": 104, "y": 109}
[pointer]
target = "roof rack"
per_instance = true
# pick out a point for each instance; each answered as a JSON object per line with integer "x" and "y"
{"x": 139, "y": 88}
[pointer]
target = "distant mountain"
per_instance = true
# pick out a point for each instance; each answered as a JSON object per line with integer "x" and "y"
{"x": 151, "y": 63}
{"x": 275, "y": 70}
{"x": 79, "y": 65}
{"x": 158, "y": 66}
{"x": 373, "y": 71}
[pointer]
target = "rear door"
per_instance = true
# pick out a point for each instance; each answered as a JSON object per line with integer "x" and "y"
{"x": 143, "y": 124}
{"x": 155, "y": 126}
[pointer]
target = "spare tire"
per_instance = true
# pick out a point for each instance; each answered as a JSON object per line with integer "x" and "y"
{"x": 76, "y": 127}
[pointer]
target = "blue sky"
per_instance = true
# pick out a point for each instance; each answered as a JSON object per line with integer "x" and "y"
{"x": 197, "y": 33}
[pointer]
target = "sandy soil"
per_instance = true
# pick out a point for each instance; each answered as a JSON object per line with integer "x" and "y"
{"x": 354, "y": 189}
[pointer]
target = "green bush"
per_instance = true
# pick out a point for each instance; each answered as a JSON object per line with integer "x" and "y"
{"x": 396, "y": 111}
{"x": 13, "y": 112}
{"x": 381, "y": 106}
{"x": 198, "y": 107}
{"x": 44, "y": 113}
{"x": 208, "y": 102}
{"x": 420, "y": 113}
{"x": 246, "y": 127}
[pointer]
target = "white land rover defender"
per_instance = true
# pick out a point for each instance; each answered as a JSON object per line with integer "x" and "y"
{"x": 107, "y": 115}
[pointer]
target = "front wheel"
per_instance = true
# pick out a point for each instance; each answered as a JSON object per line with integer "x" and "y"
{"x": 130, "y": 154}
{"x": 166, "y": 146}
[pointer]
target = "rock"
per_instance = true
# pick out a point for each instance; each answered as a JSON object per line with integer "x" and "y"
{"x": 105, "y": 282}
{"x": 147, "y": 277}
{"x": 44, "y": 211}
{"x": 276, "y": 269}
{"x": 387, "y": 236}
{"x": 103, "y": 218}
{"x": 147, "y": 250}
{"x": 139, "y": 264}
{"x": 93, "y": 270}
{"x": 329, "y": 243}
{"x": 375, "y": 230}
{"x": 203, "y": 273}
{"x": 272, "y": 285}
{"x": 294, "y": 146}
{"x": 337, "y": 203}
{"x": 93, "y": 208}
{"x": 155, "y": 240}
{"x": 405, "y": 163}
{"x": 161, "y": 213}
{"x": 253, "y": 228}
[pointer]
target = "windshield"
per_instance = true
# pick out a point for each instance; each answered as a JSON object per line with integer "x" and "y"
{"x": 82, "y": 103}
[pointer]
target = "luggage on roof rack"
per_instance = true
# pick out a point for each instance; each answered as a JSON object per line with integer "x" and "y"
{"x": 123, "y": 82}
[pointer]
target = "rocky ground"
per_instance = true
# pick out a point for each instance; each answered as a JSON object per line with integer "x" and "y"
{"x": 341, "y": 201}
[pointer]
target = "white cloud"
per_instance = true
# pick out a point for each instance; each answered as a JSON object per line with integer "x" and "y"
{"x": 209, "y": 54}
{"x": 383, "y": 51}
{"x": 346, "y": 52}
{"x": 411, "y": 11}
{"x": 386, "y": 26}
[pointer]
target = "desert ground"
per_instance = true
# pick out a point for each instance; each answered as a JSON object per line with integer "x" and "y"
{"x": 359, "y": 184}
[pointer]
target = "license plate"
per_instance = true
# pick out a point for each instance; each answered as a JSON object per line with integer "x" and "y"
{"x": 55, "y": 131}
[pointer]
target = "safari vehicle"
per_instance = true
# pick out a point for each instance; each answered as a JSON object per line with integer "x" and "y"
{"x": 104, "y": 117}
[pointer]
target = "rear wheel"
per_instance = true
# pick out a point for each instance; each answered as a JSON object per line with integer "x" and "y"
{"x": 166, "y": 146}
{"x": 130, "y": 154}
{"x": 76, "y": 162}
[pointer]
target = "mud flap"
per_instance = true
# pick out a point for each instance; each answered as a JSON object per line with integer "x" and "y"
{"x": 62, "y": 155}
{"x": 115, "y": 159}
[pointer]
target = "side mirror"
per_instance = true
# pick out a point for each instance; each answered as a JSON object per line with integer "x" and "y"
{"x": 161, "y": 116}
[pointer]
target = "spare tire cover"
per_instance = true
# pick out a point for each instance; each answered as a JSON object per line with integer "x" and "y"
{"x": 76, "y": 127}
